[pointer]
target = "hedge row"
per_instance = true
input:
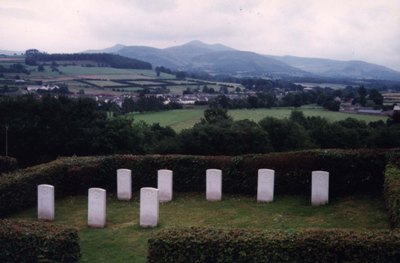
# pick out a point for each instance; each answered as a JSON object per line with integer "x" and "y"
{"x": 7, "y": 164}
{"x": 37, "y": 242}
{"x": 392, "y": 190}
{"x": 239, "y": 245}
{"x": 351, "y": 171}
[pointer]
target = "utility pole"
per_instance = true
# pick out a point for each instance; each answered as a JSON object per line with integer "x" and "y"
{"x": 6, "y": 139}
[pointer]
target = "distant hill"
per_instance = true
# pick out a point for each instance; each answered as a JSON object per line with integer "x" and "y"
{"x": 9, "y": 52}
{"x": 220, "y": 59}
{"x": 242, "y": 63}
{"x": 340, "y": 69}
{"x": 112, "y": 49}
{"x": 215, "y": 59}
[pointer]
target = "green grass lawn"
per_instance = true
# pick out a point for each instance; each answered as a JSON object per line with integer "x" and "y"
{"x": 124, "y": 241}
{"x": 186, "y": 118}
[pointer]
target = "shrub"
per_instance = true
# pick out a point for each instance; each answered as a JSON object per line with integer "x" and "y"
{"x": 7, "y": 164}
{"x": 244, "y": 245}
{"x": 357, "y": 171}
{"x": 37, "y": 242}
{"x": 392, "y": 190}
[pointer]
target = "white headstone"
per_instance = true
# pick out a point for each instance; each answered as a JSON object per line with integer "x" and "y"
{"x": 164, "y": 185}
{"x": 265, "y": 185}
{"x": 97, "y": 207}
{"x": 124, "y": 184}
{"x": 320, "y": 188}
{"x": 214, "y": 185}
{"x": 45, "y": 202}
{"x": 149, "y": 207}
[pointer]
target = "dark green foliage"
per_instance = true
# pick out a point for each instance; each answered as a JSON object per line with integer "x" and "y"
{"x": 14, "y": 68}
{"x": 243, "y": 245}
{"x": 226, "y": 137}
{"x": 144, "y": 104}
{"x": 112, "y": 60}
{"x": 7, "y": 164}
{"x": 392, "y": 190}
{"x": 41, "y": 130}
{"x": 358, "y": 171}
{"x": 286, "y": 134}
{"x": 37, "y": 242}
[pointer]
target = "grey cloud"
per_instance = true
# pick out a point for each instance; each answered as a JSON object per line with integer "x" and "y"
{"x": 357, "y": 29}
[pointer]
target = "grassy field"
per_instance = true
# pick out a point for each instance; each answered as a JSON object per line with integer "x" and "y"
{"x": 124, "y": 241}
{"x": 182, "y": 119}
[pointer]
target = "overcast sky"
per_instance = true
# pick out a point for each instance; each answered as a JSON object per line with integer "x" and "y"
{"x": 366, "y": 30}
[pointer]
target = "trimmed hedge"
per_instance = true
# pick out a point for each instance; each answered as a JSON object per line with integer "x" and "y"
{"x": 37, "y": 242}
{"x": 7, "y": 164}
{"x": 351, "y": 171}
{"x": 244, "y": 245}
{"x": 392, "y": 190}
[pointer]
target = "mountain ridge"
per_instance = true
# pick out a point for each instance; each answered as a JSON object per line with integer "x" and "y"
{"x": 212, "y": 58}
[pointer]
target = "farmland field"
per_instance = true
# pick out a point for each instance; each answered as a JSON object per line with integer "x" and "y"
{"x": 183, "y": 119}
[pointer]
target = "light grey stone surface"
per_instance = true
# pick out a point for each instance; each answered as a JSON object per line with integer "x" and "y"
{"x": 213, "y": 185}
{"x": 265, "y": 185}
{"x": 45, "y": 202}
{"x": 124, "y": 184}
{"x": 165, "y": 185}
{"x": 97, "y": 207}
{"x": 319, "y": 188}
{"x": 149, "y": 207}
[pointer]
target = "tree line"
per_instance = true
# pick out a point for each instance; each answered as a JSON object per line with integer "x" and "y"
{"x": 33, "y": 56}
{"x": 328, "y": 98}
{"x": 42, "y": 129}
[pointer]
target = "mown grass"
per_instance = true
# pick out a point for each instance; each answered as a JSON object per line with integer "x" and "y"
{"x": 186, "y": 118}
{"x": 124, "y": 241}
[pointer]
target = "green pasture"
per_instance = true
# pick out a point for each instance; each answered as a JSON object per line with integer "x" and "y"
{"x": 186, "y": 118}
{"x": 103, "y": 83}
{"x": 149, "y": 82}
{"x": 98, "y": 72}
{"x": 123, "y": 240}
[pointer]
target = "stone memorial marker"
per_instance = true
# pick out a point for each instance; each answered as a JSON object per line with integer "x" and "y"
{"x": 164, "y": 185}
{"x": 213, "y": 185}
{"x": 149, "y": 207}
{"x": 124, "y": 184}
{"x": 265, "y": 185}
{"x": 97, "y": 207}
{"x": 45, "y": 202}
{"x": 320, "y": 188}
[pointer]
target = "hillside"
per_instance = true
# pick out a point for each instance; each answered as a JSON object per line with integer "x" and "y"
{"x": 340, "y": 69}
{"x": 215, "y": 59}
{"x": 220, "y": 59}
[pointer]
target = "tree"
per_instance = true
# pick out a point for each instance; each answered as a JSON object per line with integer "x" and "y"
{"x": 223, "y": 90}
{"x": 216, "y": 116}
{"x": 362, "y": 94}
{"x": 376, "y": 97}
{"x": 285, "y": 134}
{"x": 221, "y": 101}
{"x": 332, "y": 105}
{"x": 298, "y": 116}
{"x": 180, "y": 75}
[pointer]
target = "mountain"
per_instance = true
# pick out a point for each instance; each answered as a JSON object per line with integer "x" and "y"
{"x": 9, "y": 53}
{"x": 340, "y": 69}
{"x": 241, "y": 63}
{"x": 112, "y": 49}
{"x": 214, "y": 59}
{"x": 220, "y": 59}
